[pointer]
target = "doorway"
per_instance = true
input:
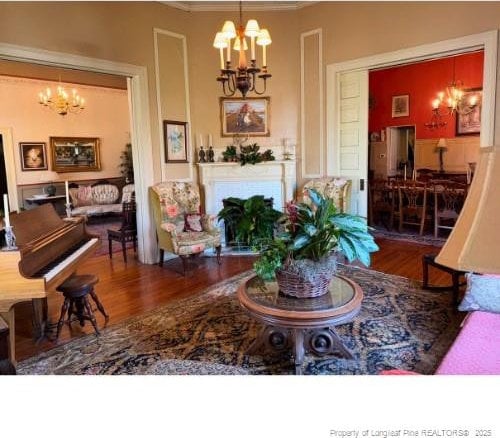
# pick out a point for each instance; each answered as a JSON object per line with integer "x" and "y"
{"x": 344, "y": 139}
{"x": 401, "y": 150}
{"x": 142, "y": 150}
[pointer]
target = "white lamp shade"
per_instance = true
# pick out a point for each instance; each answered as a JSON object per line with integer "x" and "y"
{"x": 252, "y": 29}
{"x": 229, "y": 30}
{"x": 474, "y": 243}
{"x": 264, "y": 39}
{"x": 236, "y": 45}
{"x": 441, "y": 143}
{"x": 220, "y": 41}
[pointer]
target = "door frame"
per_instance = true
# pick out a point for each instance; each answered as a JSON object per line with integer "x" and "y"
{"x": 485, "y": 40}
{"x": 140, "y": 135}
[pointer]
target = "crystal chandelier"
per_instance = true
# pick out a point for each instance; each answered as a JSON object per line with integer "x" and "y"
{"x": 60, "y": 101}
{"x": 244, "y": 77}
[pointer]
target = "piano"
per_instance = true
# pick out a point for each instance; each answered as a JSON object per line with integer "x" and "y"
{"x": 50, "y": 249}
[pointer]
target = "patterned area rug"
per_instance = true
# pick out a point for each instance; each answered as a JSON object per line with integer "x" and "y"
{"x": 413, "y": 237}
{"x": 399, "y": 326}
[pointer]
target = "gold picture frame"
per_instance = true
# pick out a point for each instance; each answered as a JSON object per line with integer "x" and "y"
{"x": 75, "y": 154}
{"x": 33, "y": 156}
{"x": 249, "y": 116}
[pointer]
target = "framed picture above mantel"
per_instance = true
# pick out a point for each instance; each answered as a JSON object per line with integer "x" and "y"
{"x": 249, "y": 116}
{"x": 75, "y": 154}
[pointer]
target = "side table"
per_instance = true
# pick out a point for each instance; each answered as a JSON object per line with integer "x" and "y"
{"x": 303, "y": 324}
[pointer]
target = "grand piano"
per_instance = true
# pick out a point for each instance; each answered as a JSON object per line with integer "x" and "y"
{"x": 50, "y": 249}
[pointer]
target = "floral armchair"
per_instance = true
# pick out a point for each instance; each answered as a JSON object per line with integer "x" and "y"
{"x": 180, "y": 227}
{"x": 336, "y": 189}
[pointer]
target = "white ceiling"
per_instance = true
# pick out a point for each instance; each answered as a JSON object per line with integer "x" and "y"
{"x": 199, "y": 6}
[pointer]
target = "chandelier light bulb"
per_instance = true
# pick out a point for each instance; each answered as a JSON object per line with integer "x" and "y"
{"x": 229, "y": 30}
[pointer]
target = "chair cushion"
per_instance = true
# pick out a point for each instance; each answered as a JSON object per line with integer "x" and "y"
{"x": 192, "y": 242}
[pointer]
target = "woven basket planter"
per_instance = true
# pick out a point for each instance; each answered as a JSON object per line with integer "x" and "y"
{"x": 305, "y": 278}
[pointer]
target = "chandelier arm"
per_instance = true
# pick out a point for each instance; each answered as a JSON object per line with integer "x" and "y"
{"x": 264, "y": 90}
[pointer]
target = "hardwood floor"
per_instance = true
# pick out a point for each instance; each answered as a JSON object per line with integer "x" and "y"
{"x": 128, "y": 290}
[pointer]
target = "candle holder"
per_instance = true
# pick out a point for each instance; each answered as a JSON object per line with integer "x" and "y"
{"x": 10, "y": 240}
{"x": 68, "y": 209}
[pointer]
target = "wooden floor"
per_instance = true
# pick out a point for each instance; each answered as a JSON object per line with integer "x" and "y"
{"x": 128, "y": 290}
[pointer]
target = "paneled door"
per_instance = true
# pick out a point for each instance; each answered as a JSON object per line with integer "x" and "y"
{"x": 348, "y": 155}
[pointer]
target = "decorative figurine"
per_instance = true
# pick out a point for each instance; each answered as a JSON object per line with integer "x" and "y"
{"x": 201, "y": 155}
{"x": 211, "y": 155}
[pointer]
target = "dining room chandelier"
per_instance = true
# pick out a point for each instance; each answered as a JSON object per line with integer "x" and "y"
{"x": 243, "y": 77}
{"x": 453, "y": 99}
{"x": 61, "y": 101}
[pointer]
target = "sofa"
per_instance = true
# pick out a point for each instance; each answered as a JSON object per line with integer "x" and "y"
{"x": 99, "y": 199}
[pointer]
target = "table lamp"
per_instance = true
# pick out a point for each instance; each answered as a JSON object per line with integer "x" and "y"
{"x": 441, "y": 148}
{"x": 474, "y": 242}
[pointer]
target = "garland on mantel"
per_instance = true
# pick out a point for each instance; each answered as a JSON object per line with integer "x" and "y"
{"x": 248, "y": 154}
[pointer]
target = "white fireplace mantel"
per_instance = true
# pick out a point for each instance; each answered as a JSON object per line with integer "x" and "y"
{"x": 274, "y": 179}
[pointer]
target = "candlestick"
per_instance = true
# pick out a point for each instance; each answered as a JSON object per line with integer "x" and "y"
{"x": 210, "y": 140}
{"x": 66, "y": 186}
{"x": 414, "y": 175}
{"x": 10, "y": 239}
{"x": 201, "y": 141}
{"x": 405, "y": 172}
{"x": 6, "y": 210}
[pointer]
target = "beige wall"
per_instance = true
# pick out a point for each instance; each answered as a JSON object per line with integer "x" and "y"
{"x": 123, "y": 31}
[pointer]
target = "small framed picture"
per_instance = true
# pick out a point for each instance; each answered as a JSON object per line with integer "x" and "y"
{"x": 175, "y": 139}
{"x": 470, "y": 122}
{"x": 249, "y": 116}
{"x": 401, "y": 105}
{"x": 33, "y": 156}
{"x": 75, "y": 154}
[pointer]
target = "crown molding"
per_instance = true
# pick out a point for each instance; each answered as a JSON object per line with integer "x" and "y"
{"x": 222, "y": 6}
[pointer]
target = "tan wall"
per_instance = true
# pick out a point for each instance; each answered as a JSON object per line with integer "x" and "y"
{"x": 123, "y": 31}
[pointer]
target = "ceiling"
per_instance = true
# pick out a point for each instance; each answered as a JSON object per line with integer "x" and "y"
{"x": 201, "y": 6}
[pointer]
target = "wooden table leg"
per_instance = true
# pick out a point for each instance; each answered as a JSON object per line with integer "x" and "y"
{"x": 298, "y": 338}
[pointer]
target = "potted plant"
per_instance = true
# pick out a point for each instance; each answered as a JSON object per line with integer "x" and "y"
{"x": 302, "y": 256}
{"x": 249, "y": 221}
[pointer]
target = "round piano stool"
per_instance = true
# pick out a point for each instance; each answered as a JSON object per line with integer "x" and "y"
{"x": 76, "y": 290}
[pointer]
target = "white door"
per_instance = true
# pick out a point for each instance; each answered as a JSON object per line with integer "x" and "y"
{"x": 348, "y": 154}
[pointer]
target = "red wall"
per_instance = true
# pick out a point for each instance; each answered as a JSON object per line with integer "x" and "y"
{"x": 422, "y": 82}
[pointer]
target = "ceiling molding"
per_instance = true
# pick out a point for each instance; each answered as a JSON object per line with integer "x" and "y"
{"x": 222, "y": 6}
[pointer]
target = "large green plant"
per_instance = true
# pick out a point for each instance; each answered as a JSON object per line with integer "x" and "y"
{"x": 313, "y": 231}
{"x": 251, "y": 220}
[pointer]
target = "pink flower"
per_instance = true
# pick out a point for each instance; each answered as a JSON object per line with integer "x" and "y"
{"x": 171, "y": 210}
{"x": 170, "y": 227}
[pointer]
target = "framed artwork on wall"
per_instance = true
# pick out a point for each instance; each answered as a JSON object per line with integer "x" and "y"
{"x": 249, "y": 116}
{"x": 75, "y": 154}
{"x": 175, "y": 141}
{"x": 33, "y": 156}
{"x": 401, "y": 105}
{"x": 470, "y": 122}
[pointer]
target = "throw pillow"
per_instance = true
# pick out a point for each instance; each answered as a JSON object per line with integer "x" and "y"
{"x": 81, "y": 196}
{"x": 482, "y": 293}
{"x": 193, "y": 222}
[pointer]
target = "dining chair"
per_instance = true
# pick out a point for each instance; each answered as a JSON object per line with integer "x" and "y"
{"x": 412, "y": 205}
{"x": 449, "y": 198}
{"x": 381, "y": 203}
{"x": 127, "y": 231}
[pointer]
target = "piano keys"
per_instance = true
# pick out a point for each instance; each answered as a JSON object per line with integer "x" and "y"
{"x": 50, "y": 249}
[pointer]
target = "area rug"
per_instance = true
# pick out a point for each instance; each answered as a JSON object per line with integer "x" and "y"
{"x": 408, "y": 236}
{"x": 399, "y": 326}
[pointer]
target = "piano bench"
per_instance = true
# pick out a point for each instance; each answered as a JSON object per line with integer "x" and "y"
{"x": 76, "y": 290}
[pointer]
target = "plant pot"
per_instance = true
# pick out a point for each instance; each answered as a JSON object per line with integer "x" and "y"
{"x": 306, "y": 278}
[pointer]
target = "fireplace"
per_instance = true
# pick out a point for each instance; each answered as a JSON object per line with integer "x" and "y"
{"x": 272, "y": 179}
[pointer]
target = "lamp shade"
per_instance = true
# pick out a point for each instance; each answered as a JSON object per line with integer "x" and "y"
{"x": 264, "y": 39}
{"x": 252, "y": 28}
{"x": 229, "y": 30}
{"x": 237, "y": 44}
{"x": 441, "y": 143}
{"x": 474, "y": 243}
{"x": 220, "y": 41}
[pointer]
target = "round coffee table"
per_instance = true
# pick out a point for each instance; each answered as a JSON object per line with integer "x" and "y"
{"x": 304, "y": 324}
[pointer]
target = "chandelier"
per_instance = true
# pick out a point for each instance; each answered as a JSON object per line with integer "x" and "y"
{"x": 60, "y": 101}
{"x": 453, "y": 100}
{"x": 243, "y": 77}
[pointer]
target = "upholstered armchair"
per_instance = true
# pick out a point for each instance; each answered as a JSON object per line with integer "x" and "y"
{"x": 336, "y": 189}
{"x": 180, "y": 227}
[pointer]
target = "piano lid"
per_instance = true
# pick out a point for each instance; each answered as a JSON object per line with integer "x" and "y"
{"x": 31, "y": 224}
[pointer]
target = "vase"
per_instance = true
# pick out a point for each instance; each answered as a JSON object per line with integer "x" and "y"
{"x": 306, "y": 278}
